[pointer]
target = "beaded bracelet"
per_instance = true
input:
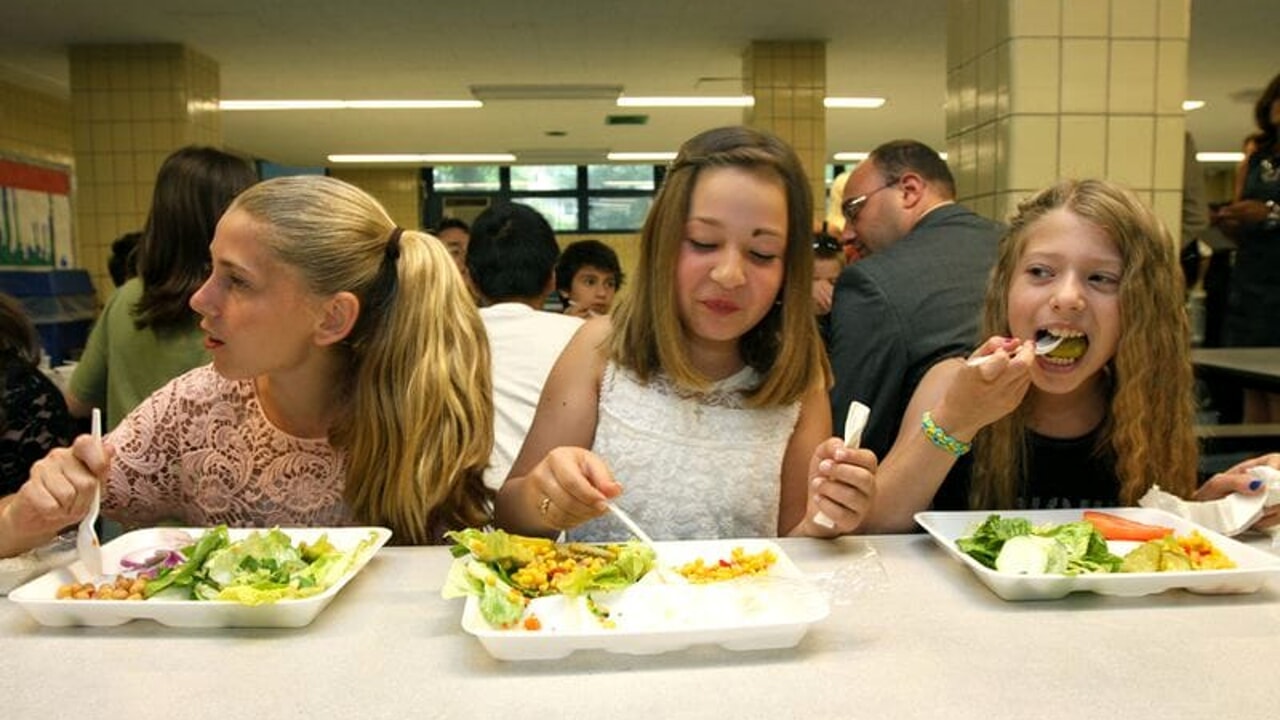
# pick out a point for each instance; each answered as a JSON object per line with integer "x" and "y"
{"x": 939, "y": 437}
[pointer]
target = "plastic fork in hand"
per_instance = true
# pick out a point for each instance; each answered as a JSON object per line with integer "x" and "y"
{"x": 854, "y": 423}
{"x": 87, "y": 545}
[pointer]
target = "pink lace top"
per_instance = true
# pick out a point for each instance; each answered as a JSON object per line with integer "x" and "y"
{"x": 201, "y": 452}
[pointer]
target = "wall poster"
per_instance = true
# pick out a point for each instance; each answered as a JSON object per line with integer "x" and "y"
{"x": 35, "y": 215}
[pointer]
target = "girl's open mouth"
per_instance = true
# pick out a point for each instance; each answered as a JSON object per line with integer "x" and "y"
{"x": 1072, "y": 347}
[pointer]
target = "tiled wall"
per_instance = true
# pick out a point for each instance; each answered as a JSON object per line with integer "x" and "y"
{"x": 35, "y": 126}
{"x": 1043, "y": 89}
{"x": 789, "y": 82}
{"x": 132, "y": 105}
{"x": 398, "y": 189}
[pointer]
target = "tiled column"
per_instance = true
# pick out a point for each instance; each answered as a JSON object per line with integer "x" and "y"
{"x": 398, "y": 189}
{"x": 789, "y": 82}
{"x": 1044, "y": 89}
{"x": 131, "y": 106}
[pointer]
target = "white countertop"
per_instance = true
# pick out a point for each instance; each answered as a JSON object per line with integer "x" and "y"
{"x": 928, "y": 642}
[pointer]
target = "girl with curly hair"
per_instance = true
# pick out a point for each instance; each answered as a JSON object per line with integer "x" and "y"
{"x": 1092, "y": 423}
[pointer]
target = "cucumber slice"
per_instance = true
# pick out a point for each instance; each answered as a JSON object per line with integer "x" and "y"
{"x": 1031, "y": 555}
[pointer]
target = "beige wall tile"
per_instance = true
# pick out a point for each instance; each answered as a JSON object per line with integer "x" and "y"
{"x": 1086, "y": 18}
{"x": 1130, "y": 150}
{"x": 1168, "y": 207}
{"x": 1034, "y": 74}
{"x": 968, "y": 115}
{"x": 1171, "y": 75}
{"x": 1169, "y": 149}
{"x": 1083, "y": 149}
{"x": 988, "y": 23}
{"x": 1134, "y": 18}
{"x": 1084, "y": 75}
{"x": 988, "y": 87}
{"x": 1175, "y": 19}
{"x": 986, "y": 159}
{"x": 1033, "y": 151}
{"x": 1132, "y": 76}
{"x": 1002, "y": 79}
{"x": 1034, "y": 17}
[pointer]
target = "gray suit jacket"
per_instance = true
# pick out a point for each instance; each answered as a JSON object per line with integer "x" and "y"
{"x": 899, "y": 311}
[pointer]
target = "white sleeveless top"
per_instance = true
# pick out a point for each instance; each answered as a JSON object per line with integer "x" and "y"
{"x": 692, "y": 465}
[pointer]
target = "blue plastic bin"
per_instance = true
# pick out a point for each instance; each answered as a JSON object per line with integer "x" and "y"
{"x": 61, "y": 303}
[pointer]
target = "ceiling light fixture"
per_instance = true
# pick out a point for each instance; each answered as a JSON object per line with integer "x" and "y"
{"x": 641, "y": 156}
{"x": 862, "y": 103}
{"x": 489, "y": 93}
{"x": 860, "y": 156}
{"x": 425, "y": 158}
{"x": 1219, "y": 157}
{"x": 688, "y": 101}
{"x": 1192, "y": 104}
{"x": 348, "y": 104}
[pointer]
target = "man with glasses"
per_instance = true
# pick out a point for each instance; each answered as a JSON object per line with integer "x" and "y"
{"x": 915, "y": 296}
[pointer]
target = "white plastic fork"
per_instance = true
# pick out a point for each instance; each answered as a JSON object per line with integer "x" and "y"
{"x": 664, "y": 574}
{"x": 1044, "y": 346}
{"x": 87, "y": 545}
{"x": 854, "y": 423}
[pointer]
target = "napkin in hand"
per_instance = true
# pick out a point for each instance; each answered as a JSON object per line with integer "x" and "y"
{"x": 1230, "y": 515}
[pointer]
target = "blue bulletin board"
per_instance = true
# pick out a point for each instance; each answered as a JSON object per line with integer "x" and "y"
{"x": 35, "y": 215}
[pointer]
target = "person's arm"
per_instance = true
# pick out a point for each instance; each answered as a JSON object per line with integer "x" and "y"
{"x": 961, "y": 400}
{"x": 820, "y": 475}
{"x": 556, "y": 482}
{"x": 87, "y": 387}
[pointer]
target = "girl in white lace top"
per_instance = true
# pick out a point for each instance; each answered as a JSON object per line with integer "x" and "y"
{"x": 350, "y": 384}
{"x": 701, "y": 406}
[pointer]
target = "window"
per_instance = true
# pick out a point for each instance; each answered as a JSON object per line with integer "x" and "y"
{"x": 573, "y": 198}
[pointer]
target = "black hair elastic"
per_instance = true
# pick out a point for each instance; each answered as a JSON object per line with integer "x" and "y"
{"x": 393, "y": 243}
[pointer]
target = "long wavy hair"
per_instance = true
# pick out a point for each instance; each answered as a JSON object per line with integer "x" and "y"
{"x": 193, "y": 188}
{"x": 1148, "y": 425}
{"x": 418, "y": 425}
{"x": 784, "y": 347}
{"x": 1264, "y": 141}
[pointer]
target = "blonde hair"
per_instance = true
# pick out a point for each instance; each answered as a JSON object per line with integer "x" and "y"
{"x": 1148, "y": 426}
{"x": 834, "y": 224}
{"x": 785, "y": 346}
{"x": 418, "y": 425}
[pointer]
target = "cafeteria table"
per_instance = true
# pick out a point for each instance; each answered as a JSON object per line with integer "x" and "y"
{"x": 917, "y": 637}
{"x": 1248, "y": 367}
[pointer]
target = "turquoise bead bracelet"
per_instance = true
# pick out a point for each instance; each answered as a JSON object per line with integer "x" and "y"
{"x": 939, "y": 437}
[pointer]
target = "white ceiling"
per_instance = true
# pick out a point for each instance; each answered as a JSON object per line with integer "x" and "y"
{"x": 402, "y": 49}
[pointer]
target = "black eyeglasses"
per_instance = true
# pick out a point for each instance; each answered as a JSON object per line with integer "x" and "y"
{"x": 851, "y": 207}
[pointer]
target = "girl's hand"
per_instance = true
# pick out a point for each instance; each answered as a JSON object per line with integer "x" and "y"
{"x": 1239, "y": 479}
{"x": 843, "y": 487}
{"x": 979, "y": 395}
{"x": 570, "y": 486}
{"x": 57, "y": 493}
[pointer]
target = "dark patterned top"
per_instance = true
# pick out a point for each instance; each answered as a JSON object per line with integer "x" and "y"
{"x": 33, "y": 421}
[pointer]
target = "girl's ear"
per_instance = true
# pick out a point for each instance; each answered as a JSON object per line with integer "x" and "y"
{"x": 338, "y": 317}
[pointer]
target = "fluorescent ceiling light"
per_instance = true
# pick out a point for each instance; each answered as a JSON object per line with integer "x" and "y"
{"x": 1192, "y": 104}
{"x": 546, "y": 92}
{"x": 860, "y": 156}
{"x": 427, "y": 158}
{"x": 1223, "y": 157}
{"x": 865, "y": 103}
{"x": 688, "y": 101}
{"x": 348, "y": 104}
{"x": 641, "y": 156}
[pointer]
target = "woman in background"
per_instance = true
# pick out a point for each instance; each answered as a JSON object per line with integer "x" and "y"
{"x": 1253, "y": 219}
{"x": 148, "y": 334}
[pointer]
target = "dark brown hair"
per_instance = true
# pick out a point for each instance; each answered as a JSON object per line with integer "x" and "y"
{"x": 193, "y": 188}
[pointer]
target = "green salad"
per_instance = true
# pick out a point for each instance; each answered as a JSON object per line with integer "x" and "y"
{"x": 264, "y": 567}
{"x": 505, "y": 571}
{"x": 1014, "y": 545}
